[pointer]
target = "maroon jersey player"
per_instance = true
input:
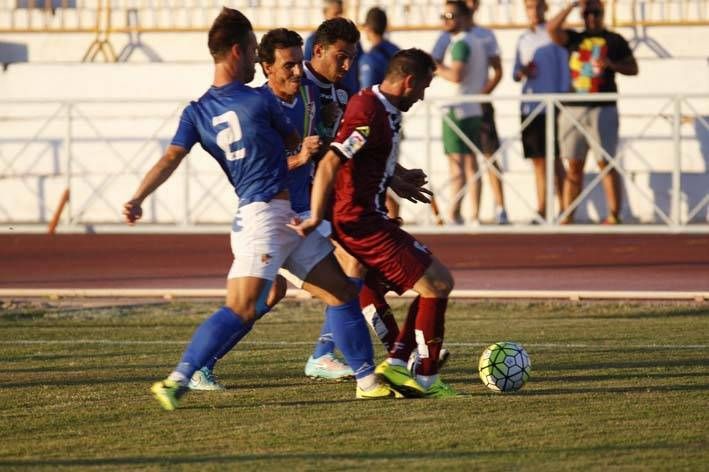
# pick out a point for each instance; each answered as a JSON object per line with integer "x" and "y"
{"x": 360, "y": 165}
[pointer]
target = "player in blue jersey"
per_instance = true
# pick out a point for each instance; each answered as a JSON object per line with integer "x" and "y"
{"x": 334, "y": 50}
{"x": 245, "y": 131}
{"x": 334, "y": 9}
{"x": 281, "y": 56}
{"x": 334, "y": 46}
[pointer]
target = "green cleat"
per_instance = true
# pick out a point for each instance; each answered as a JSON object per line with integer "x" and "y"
{"x": 400, "y": 379}
{"x": 379, "y": 392}
{"x": 168, "y": 393}
{"x": 440, "y": 389}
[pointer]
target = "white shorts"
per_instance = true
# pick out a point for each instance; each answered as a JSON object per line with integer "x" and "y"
{"x": 261, "y": 242}
{"x": 308, "y": 254}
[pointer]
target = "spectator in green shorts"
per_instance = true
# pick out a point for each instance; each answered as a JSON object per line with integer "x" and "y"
{"x": 464, "y": 67}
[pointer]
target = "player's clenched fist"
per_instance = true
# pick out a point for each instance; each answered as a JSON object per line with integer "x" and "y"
{"x": 132, "y": 211}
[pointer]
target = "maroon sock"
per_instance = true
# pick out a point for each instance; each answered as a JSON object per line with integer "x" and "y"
{"x": 406, "y": 342}
{"x": 429, "y": 333}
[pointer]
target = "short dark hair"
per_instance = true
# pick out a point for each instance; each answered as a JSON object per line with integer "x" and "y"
{"x": 229, "y": 28}
{"x": 335, "y": 29}
{"x": 412, "y": 61}
{"x": 278, "y": 38}
{"x": 460, "y": 6}
{"x": 376, "y": 20}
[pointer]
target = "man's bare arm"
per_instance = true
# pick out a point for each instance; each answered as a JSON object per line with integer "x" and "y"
{"x": 155, "y": 177}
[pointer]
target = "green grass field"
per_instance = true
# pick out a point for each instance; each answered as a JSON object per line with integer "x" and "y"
{"x": 614, "y": 386}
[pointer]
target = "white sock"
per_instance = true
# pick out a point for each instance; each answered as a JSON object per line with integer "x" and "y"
{"x": 426, "y": 380}
{"x": 178, "y": 377}
{"x": 368, "y": 382}
{"x": 393, "y": 361}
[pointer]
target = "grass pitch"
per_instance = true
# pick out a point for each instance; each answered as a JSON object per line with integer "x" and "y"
{"x": 614, "y": 386}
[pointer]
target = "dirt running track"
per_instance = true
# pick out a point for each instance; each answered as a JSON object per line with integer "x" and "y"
{"x": 479, "y": 262}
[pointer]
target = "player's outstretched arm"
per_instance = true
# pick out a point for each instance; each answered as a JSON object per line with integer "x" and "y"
{"x": 320, "y": 195}
{"x": 155, "y": 177}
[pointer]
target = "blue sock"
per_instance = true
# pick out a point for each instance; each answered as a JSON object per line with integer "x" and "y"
{"x": 239, "y": 335}
{"x": 326, "y": 343}
{"x": 224, "y": 350}
{"x": 351, "y": 335}
{"x": 209, "y": 339}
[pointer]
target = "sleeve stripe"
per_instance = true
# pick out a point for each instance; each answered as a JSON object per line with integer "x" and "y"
{"x": 339, "y": 149}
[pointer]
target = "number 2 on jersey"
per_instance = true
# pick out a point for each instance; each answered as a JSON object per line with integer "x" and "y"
{"x": 230, "y": 135}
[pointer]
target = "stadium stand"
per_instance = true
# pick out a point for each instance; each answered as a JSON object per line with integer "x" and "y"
{"x": 122, "y": 114}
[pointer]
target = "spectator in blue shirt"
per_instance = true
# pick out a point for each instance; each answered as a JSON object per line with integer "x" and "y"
{"x": 373, "y": 67}
{"x": 373, "y": 64}
{"x": 542, "y": 67}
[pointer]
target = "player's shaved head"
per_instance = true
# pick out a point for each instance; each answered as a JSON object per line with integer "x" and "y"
{"x": 229, "y": 28}
{"x": 414, "y": 62}
{"x": 279, "y": 38}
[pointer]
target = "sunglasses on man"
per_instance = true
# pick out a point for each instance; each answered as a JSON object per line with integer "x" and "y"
{"x": 595, "y": 13}
{"x": 447, "y": 16}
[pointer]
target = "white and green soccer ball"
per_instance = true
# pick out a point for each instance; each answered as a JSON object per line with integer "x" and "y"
{"x": 504, "y": 367}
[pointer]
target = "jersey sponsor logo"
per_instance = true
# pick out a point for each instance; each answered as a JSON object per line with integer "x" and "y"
{"x": 266, "y": 259}
{"x": 364, "y": 130}
{"x": 353, "y": 143}
{"x": 341, "y": 96}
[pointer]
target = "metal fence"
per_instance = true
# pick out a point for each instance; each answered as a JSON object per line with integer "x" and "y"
{"x": 98, "y": 150}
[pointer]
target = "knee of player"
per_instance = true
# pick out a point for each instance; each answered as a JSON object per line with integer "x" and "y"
{"x": 344, "y": 293}
{"x": 248, "y": 312}
{"x": 444, "y": 286}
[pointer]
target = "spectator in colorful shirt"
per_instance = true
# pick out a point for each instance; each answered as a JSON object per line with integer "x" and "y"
{"x": 595, "y": 56}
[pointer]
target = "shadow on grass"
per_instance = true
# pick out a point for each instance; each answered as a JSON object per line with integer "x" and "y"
{"x": 607, "y": 389}
{"x": 655, "y": 363}
{"x": 324, "y": 457}
{"x": 622, "y": 376}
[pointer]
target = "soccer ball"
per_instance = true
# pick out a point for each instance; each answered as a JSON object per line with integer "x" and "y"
{"x": 504, "y": 367}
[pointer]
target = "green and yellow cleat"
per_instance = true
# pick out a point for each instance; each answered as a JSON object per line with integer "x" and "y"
{"x": 440, "y": 389}
{"x": 379, "y": 392}
{"x": 400, "y": 379}
{"x": 168, "y": 393}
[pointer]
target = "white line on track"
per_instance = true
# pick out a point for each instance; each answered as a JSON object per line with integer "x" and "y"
{"x": 169, "y": 294}
{"x": 118, "y": 342}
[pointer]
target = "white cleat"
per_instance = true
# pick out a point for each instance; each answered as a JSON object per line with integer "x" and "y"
{"x": 205, "y": 380}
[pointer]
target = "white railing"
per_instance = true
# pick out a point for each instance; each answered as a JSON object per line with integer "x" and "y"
{"x": 99, "y": 150}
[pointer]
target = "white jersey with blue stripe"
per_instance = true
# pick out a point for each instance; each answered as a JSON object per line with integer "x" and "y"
{"x": 244, "y": 131}
{"x": 327, "y": 93}
{"x": 303, "y": 114}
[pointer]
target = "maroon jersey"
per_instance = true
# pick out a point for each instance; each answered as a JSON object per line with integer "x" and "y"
{"x": 368, "y": 140}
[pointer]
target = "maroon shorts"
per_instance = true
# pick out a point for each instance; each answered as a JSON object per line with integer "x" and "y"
{"x": 396, "y": 257}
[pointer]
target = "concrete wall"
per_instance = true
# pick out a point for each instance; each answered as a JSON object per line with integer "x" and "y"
{"x": 114, "y": 142}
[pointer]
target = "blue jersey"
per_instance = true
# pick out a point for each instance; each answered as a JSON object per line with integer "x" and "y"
{"x": 374, "y": 63}
{"x": 303, "y": 113}
{"x": 243, "y": 130}
{"x": 327, "y": 93}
